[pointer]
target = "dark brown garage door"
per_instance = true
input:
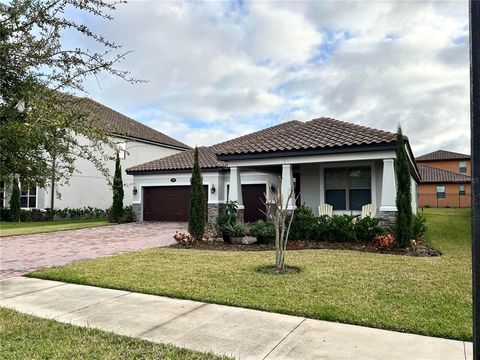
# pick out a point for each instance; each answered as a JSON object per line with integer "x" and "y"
{"x": 167, "y": 203}
{"x": 254, "y": 202}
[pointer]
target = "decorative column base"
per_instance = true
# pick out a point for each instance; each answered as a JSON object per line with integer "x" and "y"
{"x": 137, "y": 212}
{"x": 387, "y": 218}
{"x": 213, "y": 210}
{"x": 240, "y": 214}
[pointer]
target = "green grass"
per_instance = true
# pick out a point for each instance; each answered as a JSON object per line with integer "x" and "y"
{"x": 28, "y": 337}
{"x": 24, "y": 228}
{"x": 430, "y": 296}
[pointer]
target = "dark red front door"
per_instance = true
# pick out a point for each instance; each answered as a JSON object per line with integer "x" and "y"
{"x": 254, "y": 202}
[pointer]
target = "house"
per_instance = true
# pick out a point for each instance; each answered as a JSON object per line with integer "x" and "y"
{"x": 88, "y": 186}
{"x": 445, "y": 179}
{"x": 326, "y": 160}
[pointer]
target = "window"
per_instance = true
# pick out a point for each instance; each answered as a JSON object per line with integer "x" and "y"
{"x": 2, "y": 194}
{"x": 462, "y": 167}
{"x": 461, "y": 190}
{"x": 28, "y": 197}
{"x": 122, "y": 147}
{"x": 441, "y": 192}
{"x": 348, "y": 188}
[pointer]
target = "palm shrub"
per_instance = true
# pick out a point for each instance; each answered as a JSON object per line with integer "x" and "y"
{"x": 117, "y": 206}
{"x": 15, "y": 201}
{"x": 403, "y": 228}
{"x": 197, "y": 215}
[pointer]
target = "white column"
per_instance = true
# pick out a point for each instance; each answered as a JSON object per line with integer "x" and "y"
{"x": 414, "y": 195}
{"x": 287, "y": 185}
{"x": 389, "y": 187}
{"x": 235, "y": 193}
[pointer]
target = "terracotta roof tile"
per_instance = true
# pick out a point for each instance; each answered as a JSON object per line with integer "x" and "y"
{"x": 434, "y": 175}
{"x": 313, "y": 134}
{"x": 181, "y": 161}
{"x": 442, "y": 155}
{"x": 119, "y": 124}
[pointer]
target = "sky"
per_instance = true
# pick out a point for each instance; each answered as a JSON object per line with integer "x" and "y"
{"x": 217, "y": 70}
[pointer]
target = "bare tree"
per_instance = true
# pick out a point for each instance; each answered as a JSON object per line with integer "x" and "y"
{"x": 278, "y": 212}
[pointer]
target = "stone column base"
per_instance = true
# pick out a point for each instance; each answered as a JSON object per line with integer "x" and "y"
{"x": 213, "y": 210}
{"x": 387, "y": 218}
{"x": 137, "y": 212}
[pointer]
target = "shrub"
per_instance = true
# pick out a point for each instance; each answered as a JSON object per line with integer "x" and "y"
{"x": 303, "y": 224}
{"x": 197, "y": 214}
{"x": 385, "y": 241}
{"x": 342, "y": 228}
{"x": 237, "y": 229}
{"x": 183, "y": 238}
{"x": 419, "y": 226}
{"x": 128, "y": 215}
{"x": 264, "y": 231}
{"x": 5, "y": 214}
{"x": 366, "y": 229}
{"x": 15, "y": 201}
{"x": 228, "y": 217}
{"x": 117, "y": 206}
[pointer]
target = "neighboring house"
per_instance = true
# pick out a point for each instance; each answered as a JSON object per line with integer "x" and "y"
{"x": 326, "y": 160}
{"x": 445, "y": 179}
{"x": 88, "y": 186}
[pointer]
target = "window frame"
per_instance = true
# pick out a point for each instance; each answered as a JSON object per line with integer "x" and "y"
{"x": 460, "y": 167}
{"x": 441, "y": 192}
{"x": 28, "y": 196}
{"x": 122, "y": 150}
{"x": 349, "y": 188}
{"x": 462, "y": 192}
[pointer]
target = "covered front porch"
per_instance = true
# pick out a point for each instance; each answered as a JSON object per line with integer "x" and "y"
{"x": 345, "y": 181}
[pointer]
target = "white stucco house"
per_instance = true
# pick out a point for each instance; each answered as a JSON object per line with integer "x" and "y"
{"x": 325, "y": 160}
{"x": 88, "y": 186}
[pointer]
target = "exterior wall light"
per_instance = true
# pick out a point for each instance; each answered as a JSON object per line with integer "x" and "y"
{"x": 212, "y": 189}
{"x": 134, "y": 191}
{"x": 272, "y": 189}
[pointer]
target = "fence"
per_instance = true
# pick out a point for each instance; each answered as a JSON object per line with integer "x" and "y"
{"x": 453, "y": 200}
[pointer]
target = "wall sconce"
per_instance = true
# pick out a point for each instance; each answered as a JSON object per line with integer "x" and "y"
{"x": 134, "y": 191}
{"x": 272, "y": 189}
{"x": 212, "y": 189}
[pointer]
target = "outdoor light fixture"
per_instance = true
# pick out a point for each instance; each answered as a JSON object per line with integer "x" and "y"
{"x": 134, "y": 191}
{"x": 272, "y": 189}
{"x": 212, "y": 189}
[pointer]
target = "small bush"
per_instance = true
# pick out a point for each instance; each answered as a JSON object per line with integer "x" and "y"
{"x": 183, "y": 238}
{"x": 366, "y": 229}
{"x": 5, "y": 214}
{"x": 227, "y": 217}
{"x": 385, "y": 241}
{"x": 419, "y": 226}
{"x": 303, "y": 224}
{"x": 237, "y": 229}
{"x": 128, "y": 215}
{"x": 264, "y": 231}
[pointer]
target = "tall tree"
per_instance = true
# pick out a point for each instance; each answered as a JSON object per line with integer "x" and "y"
{"x": 117, "y": 206}
{"x": 15, "y": 201}
{"x": 38, "y": 123}
{"x": 403, "y": 228}
{"x": 197, "y": 214}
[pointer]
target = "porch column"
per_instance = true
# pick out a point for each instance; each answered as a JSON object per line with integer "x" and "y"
{"x": 287, "y": 185}
{"x": 235, "y": 192}
{"x": 389, "y": 187}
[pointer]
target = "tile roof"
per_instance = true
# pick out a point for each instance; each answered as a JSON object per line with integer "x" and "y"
{"x": 181, "y": 161}
{"x": 434, "y": 175}
{"x": 442, "y": 155}
{"x": 313, "y": 134}
{"x": 119, "y": 124}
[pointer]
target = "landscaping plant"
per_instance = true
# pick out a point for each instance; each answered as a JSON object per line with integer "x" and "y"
{"x": 116, "y": 213}
{"x": 419, "y": 226}
{"x": 264, "y": 231}
{"x": 197, "y": 214}
{"x": 403, "y": 228}
{"x": 15, "y": 201}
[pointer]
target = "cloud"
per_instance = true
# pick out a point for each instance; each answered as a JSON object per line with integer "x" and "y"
{"x": 219, "y": 69}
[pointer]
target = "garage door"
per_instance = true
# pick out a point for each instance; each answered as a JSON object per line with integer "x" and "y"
{"x": 254, "y": 202}
{"x": 167, "y": 203}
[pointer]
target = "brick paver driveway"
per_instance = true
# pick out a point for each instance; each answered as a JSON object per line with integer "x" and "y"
{"x": 24, "y": 253}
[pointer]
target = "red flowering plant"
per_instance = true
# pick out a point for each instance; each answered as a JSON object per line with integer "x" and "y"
{"x": 183, "y": 238}
{"x": 385, "y": 241}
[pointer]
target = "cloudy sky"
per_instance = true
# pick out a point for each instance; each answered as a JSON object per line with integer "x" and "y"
{"x": 217, "y": 70}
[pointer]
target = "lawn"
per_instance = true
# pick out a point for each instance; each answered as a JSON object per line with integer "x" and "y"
{"x": 430, "y": 296}
{"x": 24, "y": 228}
{"x": 27, "y": 337}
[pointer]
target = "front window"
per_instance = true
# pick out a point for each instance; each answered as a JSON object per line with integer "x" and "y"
{"x": 462, "y": 167}
{"x": 28, "y": 197}
{"x": 440, "y": 192}
{"x": 461, "y": 190}
{"x": 348, "y": 188}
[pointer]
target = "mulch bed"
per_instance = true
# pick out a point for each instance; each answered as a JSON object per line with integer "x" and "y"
{"x": 423, "y": 249}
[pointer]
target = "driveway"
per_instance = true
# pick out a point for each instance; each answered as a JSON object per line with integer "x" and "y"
{"x": 22, "y": 254}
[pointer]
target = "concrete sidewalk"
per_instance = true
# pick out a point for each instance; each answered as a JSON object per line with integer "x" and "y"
{"x": 241, "y": 333}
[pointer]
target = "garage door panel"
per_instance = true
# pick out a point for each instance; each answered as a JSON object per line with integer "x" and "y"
{"x": 167, "y": 203}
